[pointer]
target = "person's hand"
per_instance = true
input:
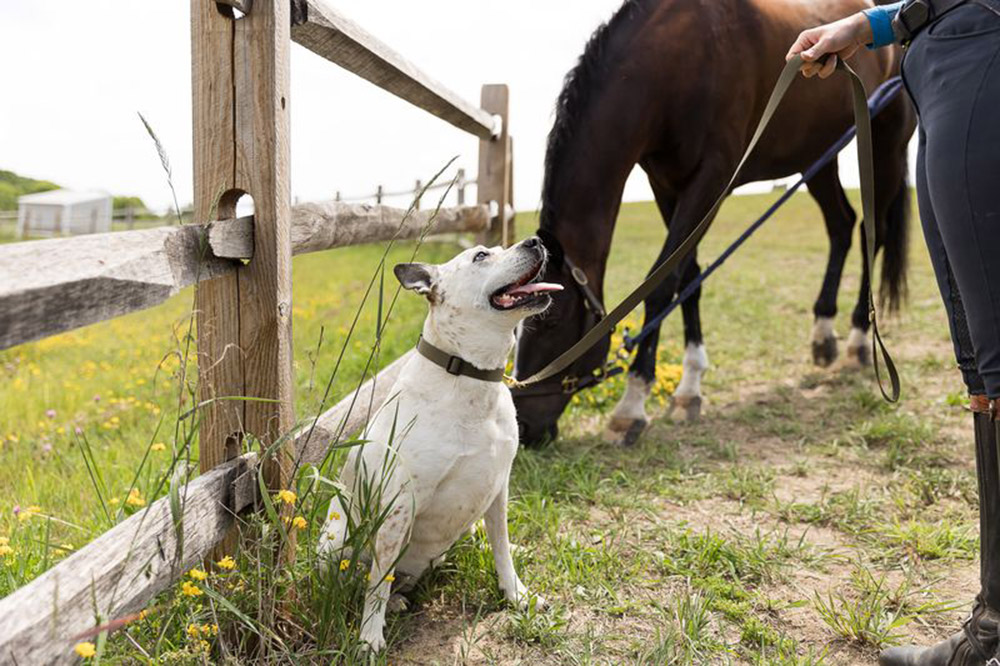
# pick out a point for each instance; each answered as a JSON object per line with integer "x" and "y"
{"x": 839, "y": 39}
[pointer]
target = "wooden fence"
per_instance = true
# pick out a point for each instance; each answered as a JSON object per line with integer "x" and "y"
{"x": 241, "y": 270}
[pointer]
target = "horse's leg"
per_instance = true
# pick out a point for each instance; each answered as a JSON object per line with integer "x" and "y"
{"x": 687, "y": 396}
{"x": 890, "y": 134}
{"x": 629, "y": 419}
{"x": 681, "y": 215}
{"x": 839, "y": 217}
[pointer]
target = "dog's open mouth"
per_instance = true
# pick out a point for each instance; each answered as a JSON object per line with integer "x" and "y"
{"x": 525, "y": 291}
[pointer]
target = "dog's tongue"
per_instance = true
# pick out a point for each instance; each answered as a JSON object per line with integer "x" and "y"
{"x": 534, "y": 288}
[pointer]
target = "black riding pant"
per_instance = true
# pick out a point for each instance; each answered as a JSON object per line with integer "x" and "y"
{"x": 952, "y": 72}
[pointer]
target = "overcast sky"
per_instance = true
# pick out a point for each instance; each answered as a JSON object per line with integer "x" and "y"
{"x": 76, "y": 73}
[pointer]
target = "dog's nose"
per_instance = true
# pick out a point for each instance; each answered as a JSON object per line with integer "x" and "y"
{"x": 532, "y": 242}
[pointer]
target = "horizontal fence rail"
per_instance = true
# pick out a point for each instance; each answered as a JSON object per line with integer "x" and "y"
{"x": 329, "y": 34}
{"x": 55, "y": 285}
{"x": 118, "y": 573}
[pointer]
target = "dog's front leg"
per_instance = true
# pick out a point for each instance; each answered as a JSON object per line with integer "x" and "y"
{"x": 496, "y": 531}
{"x": 392, "y": 537}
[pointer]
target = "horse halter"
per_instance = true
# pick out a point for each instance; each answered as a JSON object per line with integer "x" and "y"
{"x": 570, "y": 383}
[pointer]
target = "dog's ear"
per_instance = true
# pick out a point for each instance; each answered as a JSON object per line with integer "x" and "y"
{"x": 418, "y": 277}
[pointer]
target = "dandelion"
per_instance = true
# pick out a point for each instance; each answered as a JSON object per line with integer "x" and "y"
{"x": 85, "y": 649}
{"x": 226, "y": 563}
{"x": 189, "y": 589}
{"x": 198, "y": 574}
{"x": 159, "y": 446}
{"x": 344, "y": 564}
{"x": 287, "y": 496}
{"x": 135, "y": 498}
{"x": 299, "y": 523}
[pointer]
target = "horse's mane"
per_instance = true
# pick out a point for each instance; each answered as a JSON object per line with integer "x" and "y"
{"x": 578, "y": 85}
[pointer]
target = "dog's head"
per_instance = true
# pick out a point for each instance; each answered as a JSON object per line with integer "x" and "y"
{"x": 496, "y": 287}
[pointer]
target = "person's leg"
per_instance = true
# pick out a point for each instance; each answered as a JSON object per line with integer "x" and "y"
{"x": 964, "y": 354}
{"x": 951, "y": 75}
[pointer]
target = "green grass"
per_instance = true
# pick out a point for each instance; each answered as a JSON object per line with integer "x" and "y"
{"x": 772, "y": 532}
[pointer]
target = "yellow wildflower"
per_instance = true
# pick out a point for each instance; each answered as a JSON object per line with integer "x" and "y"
{"x": 192, "y": 631}
{"x": 189, "y": 589}
{"x": 227, "y": 563}
{"x": 4, "y": 541}
{"x": 344, "y": 564}
{"x": 334, "y": 515}
{"x": 198, "y": 574}
{"x": 287, "y": 496}
{"x": 159, "y": 446}
{"x": 299, "y": 523}
{"x": 135, "y": 498}
{"x": 113, "y": 501}
{"x": 389, "y": 578}
{"x": 86, "y": 649}
{"x": 6, "y": 550}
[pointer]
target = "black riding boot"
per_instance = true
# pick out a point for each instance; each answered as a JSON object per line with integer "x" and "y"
{"x": 978, "y": 644}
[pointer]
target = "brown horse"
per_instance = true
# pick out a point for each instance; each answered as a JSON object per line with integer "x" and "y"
{"x": 677, "y": 86}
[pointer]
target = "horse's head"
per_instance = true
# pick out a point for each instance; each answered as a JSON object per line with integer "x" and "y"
{"x": 543, "y": 338}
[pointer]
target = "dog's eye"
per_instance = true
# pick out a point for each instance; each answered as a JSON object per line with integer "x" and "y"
{"x": 480, "y": 256}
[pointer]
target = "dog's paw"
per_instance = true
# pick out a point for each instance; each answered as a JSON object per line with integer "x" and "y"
{"x": 397, "y": 604}
{"x": 374, "y": 641}
{"x": 525, "y": 601}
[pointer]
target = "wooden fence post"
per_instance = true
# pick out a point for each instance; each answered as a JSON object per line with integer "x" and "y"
{"x": 493, "y": 181}
{"x": 240, "y": 74}
{"x": 378, "y": 194}
{"x": 460, "y": 186}
{"x": 416, "y": 194}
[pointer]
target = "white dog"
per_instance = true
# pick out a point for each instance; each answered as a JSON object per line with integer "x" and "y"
{"x": 440, "y": 450}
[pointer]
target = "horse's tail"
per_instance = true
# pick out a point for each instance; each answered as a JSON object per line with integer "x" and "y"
{"x": 895, "y": 245}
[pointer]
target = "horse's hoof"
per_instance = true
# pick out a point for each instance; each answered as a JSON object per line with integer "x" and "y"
{"x": 860, "y": 357}
{"x": 624, "y": 432}
{"x": 689, "y": 406}
{"x": 824, "y": 352}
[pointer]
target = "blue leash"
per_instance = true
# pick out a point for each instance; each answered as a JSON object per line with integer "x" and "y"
{"x": 876, "y": 103}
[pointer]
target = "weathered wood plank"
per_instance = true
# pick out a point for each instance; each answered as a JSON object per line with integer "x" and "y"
{"x": 493, "y": 181}
{"x": 121, "y": 570}
{"x": 220, "y": 368}
{"x": 333, "y": 36}
{"x": 55, "y": 285}
{"x": 263, "y": 128}
{"x": 345, "y": 418}
{"x": 329, "y": 224}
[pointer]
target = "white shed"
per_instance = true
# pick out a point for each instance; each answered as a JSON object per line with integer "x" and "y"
{"x": 59, "y": 212}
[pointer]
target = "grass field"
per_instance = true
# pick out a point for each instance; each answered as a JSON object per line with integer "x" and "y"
{"x": 802, "y": 521}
